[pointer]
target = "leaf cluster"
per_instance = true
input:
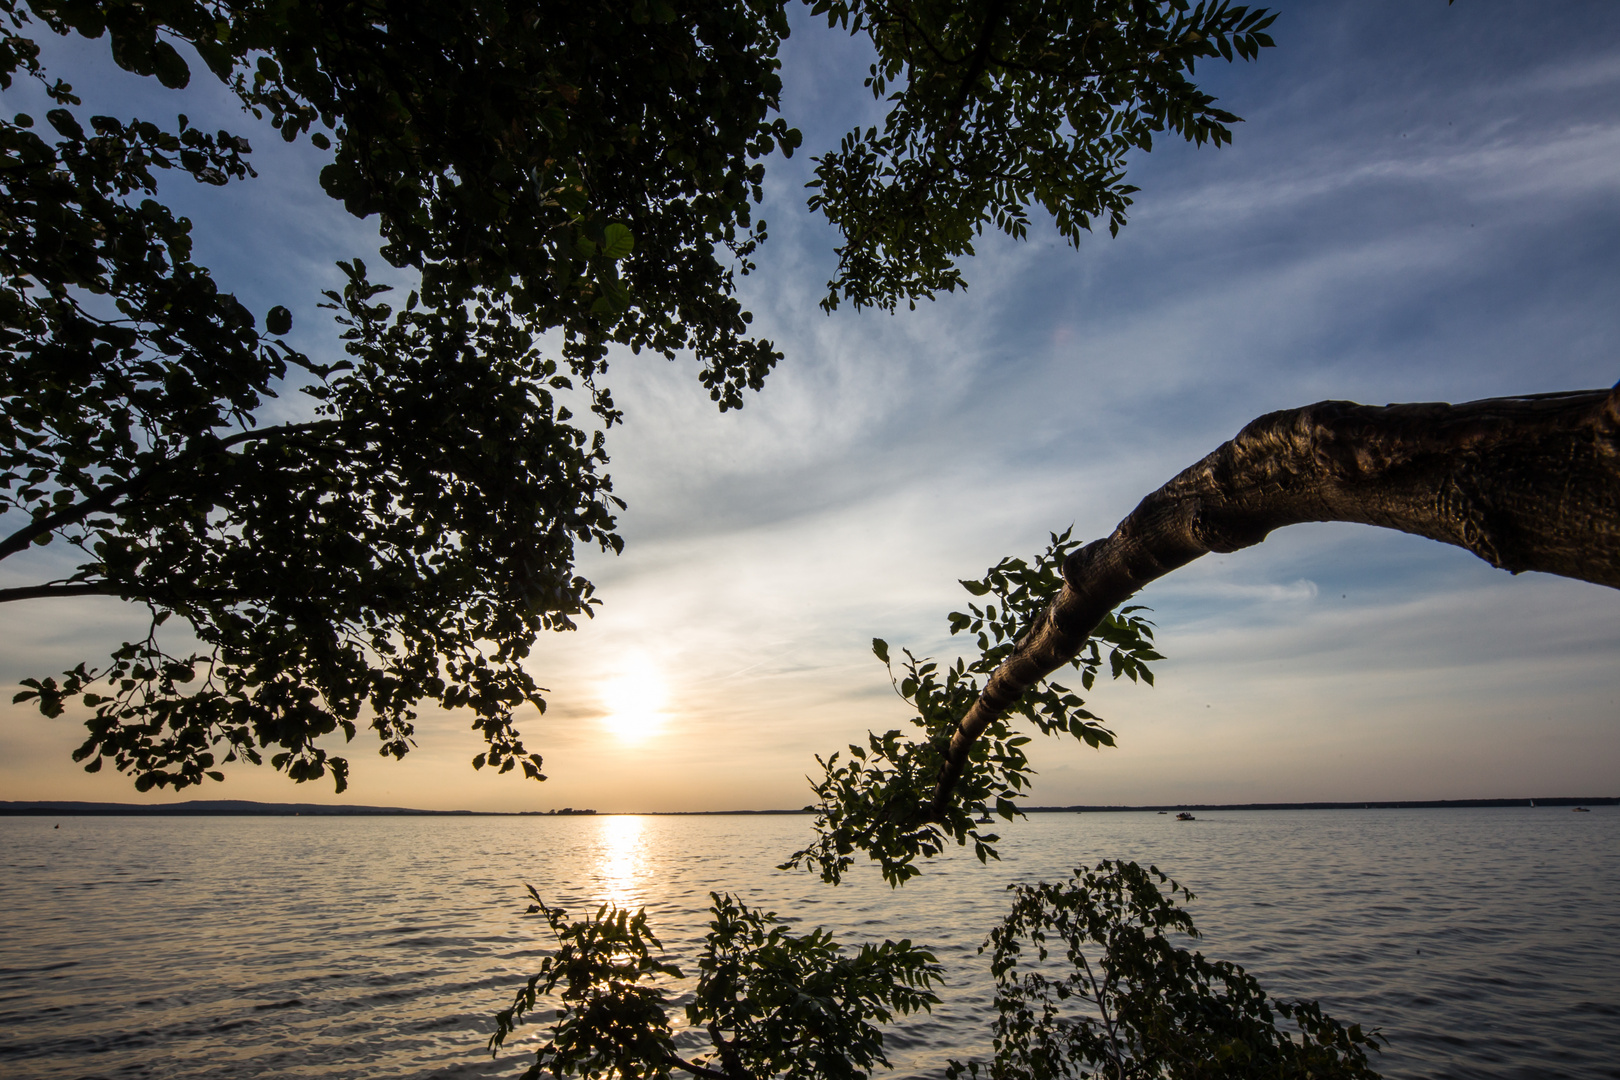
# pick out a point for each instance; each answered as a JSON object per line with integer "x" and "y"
{"x": 498, "y": 142}
{"x": 770, "y": 1003}
{"x": 587, "y": 170}
{"x": 407, "y": 543}
{"x": 800, "y": 1006}
{"x": 880, "y": 799}
{"x": 1090, "y": 983}
{"x": 1000, "y": 106}
{"x": 612, "y": 1022}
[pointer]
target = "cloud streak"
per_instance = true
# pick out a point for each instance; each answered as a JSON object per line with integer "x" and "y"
{"x": 1421, "y": 206}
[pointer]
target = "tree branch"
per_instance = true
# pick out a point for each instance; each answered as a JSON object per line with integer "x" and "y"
{"x": 105, "y": 498}
{"x": 102, "y": 500}
{"x": 1525, "y": 483}
{"x": 729, "y": 1058}
{"x": 36, "y": 592}
{"x": 699, "y": 1070}
{"x": 977, "y": 62}
{"x": 976, "y": 65}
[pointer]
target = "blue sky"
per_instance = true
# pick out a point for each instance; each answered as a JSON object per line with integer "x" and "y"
{"x": 1423, "y": 204}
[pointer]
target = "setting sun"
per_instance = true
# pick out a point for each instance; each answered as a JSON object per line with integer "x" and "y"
{"x": 634, "y": 702}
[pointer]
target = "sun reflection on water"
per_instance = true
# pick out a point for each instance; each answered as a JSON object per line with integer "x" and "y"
{"x": 620, "y": 858}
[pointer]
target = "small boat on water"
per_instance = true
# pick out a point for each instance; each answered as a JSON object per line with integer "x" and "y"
{"x": 1580, "y": 810}
{"x": 1184, "y": 816}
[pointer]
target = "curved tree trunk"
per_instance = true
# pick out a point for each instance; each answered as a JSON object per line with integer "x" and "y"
{"x": 1525, "y": 483}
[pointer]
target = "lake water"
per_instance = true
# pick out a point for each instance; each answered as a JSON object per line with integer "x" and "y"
{"x": 1483, "y": 942}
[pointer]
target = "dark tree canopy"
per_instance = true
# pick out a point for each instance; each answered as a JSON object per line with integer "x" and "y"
{"x": 1000, "y": 109}
{"x": 590, "y": 171}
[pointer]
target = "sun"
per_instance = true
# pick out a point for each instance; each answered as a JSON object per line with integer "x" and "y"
{"x": 634, "y": 702}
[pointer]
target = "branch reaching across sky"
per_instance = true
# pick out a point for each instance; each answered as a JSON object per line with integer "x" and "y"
{"x": 1527, "y": 483}
{"x": 884, "y": 800}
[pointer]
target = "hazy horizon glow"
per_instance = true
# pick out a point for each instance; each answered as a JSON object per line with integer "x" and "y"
{"x": 1423, "y": 204}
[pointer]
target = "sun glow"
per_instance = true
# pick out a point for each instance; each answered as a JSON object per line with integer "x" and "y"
{"x": 634, "y": 702}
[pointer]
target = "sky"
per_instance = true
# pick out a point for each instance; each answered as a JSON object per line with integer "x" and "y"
{"x": 1422, "y": 204}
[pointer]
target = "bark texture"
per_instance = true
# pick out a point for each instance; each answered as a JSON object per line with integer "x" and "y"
{"x": 1525, "y": 483}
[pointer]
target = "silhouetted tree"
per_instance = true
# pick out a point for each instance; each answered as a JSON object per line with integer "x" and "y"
{"x": 1089, "y": 983}
{"x": 588, "y": 170}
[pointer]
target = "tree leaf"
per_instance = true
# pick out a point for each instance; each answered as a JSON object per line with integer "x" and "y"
{"x": 617, "y": 241}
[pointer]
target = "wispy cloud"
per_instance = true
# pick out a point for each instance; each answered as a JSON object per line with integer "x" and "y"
{"x": 1398, "y": 220}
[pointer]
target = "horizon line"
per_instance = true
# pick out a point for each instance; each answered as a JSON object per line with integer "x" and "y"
{"x": 249, "y": 808}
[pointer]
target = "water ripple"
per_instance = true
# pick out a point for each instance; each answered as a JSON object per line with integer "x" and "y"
{"x": 1482, "y": 942}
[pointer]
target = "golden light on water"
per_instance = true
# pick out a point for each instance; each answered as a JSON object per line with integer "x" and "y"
{"x": 619, "y": 860}
{"x": 634, "y": 702}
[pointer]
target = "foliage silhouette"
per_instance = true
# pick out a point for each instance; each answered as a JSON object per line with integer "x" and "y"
{"x": 881, "y": 800}
{"x": 773, "y": 1004}
{"x": 1139, "y": 1006}
{"x": 587, "y": 171}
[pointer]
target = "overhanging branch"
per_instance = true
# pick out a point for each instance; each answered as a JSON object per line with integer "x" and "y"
{"x": 105, "y": 499}
{"x": 40, "y": 592}
{"x": 1525, "y": 483}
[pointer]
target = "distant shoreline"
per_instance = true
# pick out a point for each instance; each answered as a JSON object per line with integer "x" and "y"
{"x": 245, "y": 808}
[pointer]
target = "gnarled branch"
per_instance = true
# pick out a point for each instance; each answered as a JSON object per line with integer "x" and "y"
{"x": 1525, "y": 483}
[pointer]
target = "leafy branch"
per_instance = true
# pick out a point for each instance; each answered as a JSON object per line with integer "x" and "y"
{"x": 884, "y": 799}
{"x": 1090, "y": 981}
{"x": 772, "y": 1003}
{"x": 1139, "y": 1006}
{"x": 406, "y": 545}
{"x": 999, "y": 107}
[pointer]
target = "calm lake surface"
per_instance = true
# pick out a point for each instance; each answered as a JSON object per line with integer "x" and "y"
{"x": 1483, "y": 942}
